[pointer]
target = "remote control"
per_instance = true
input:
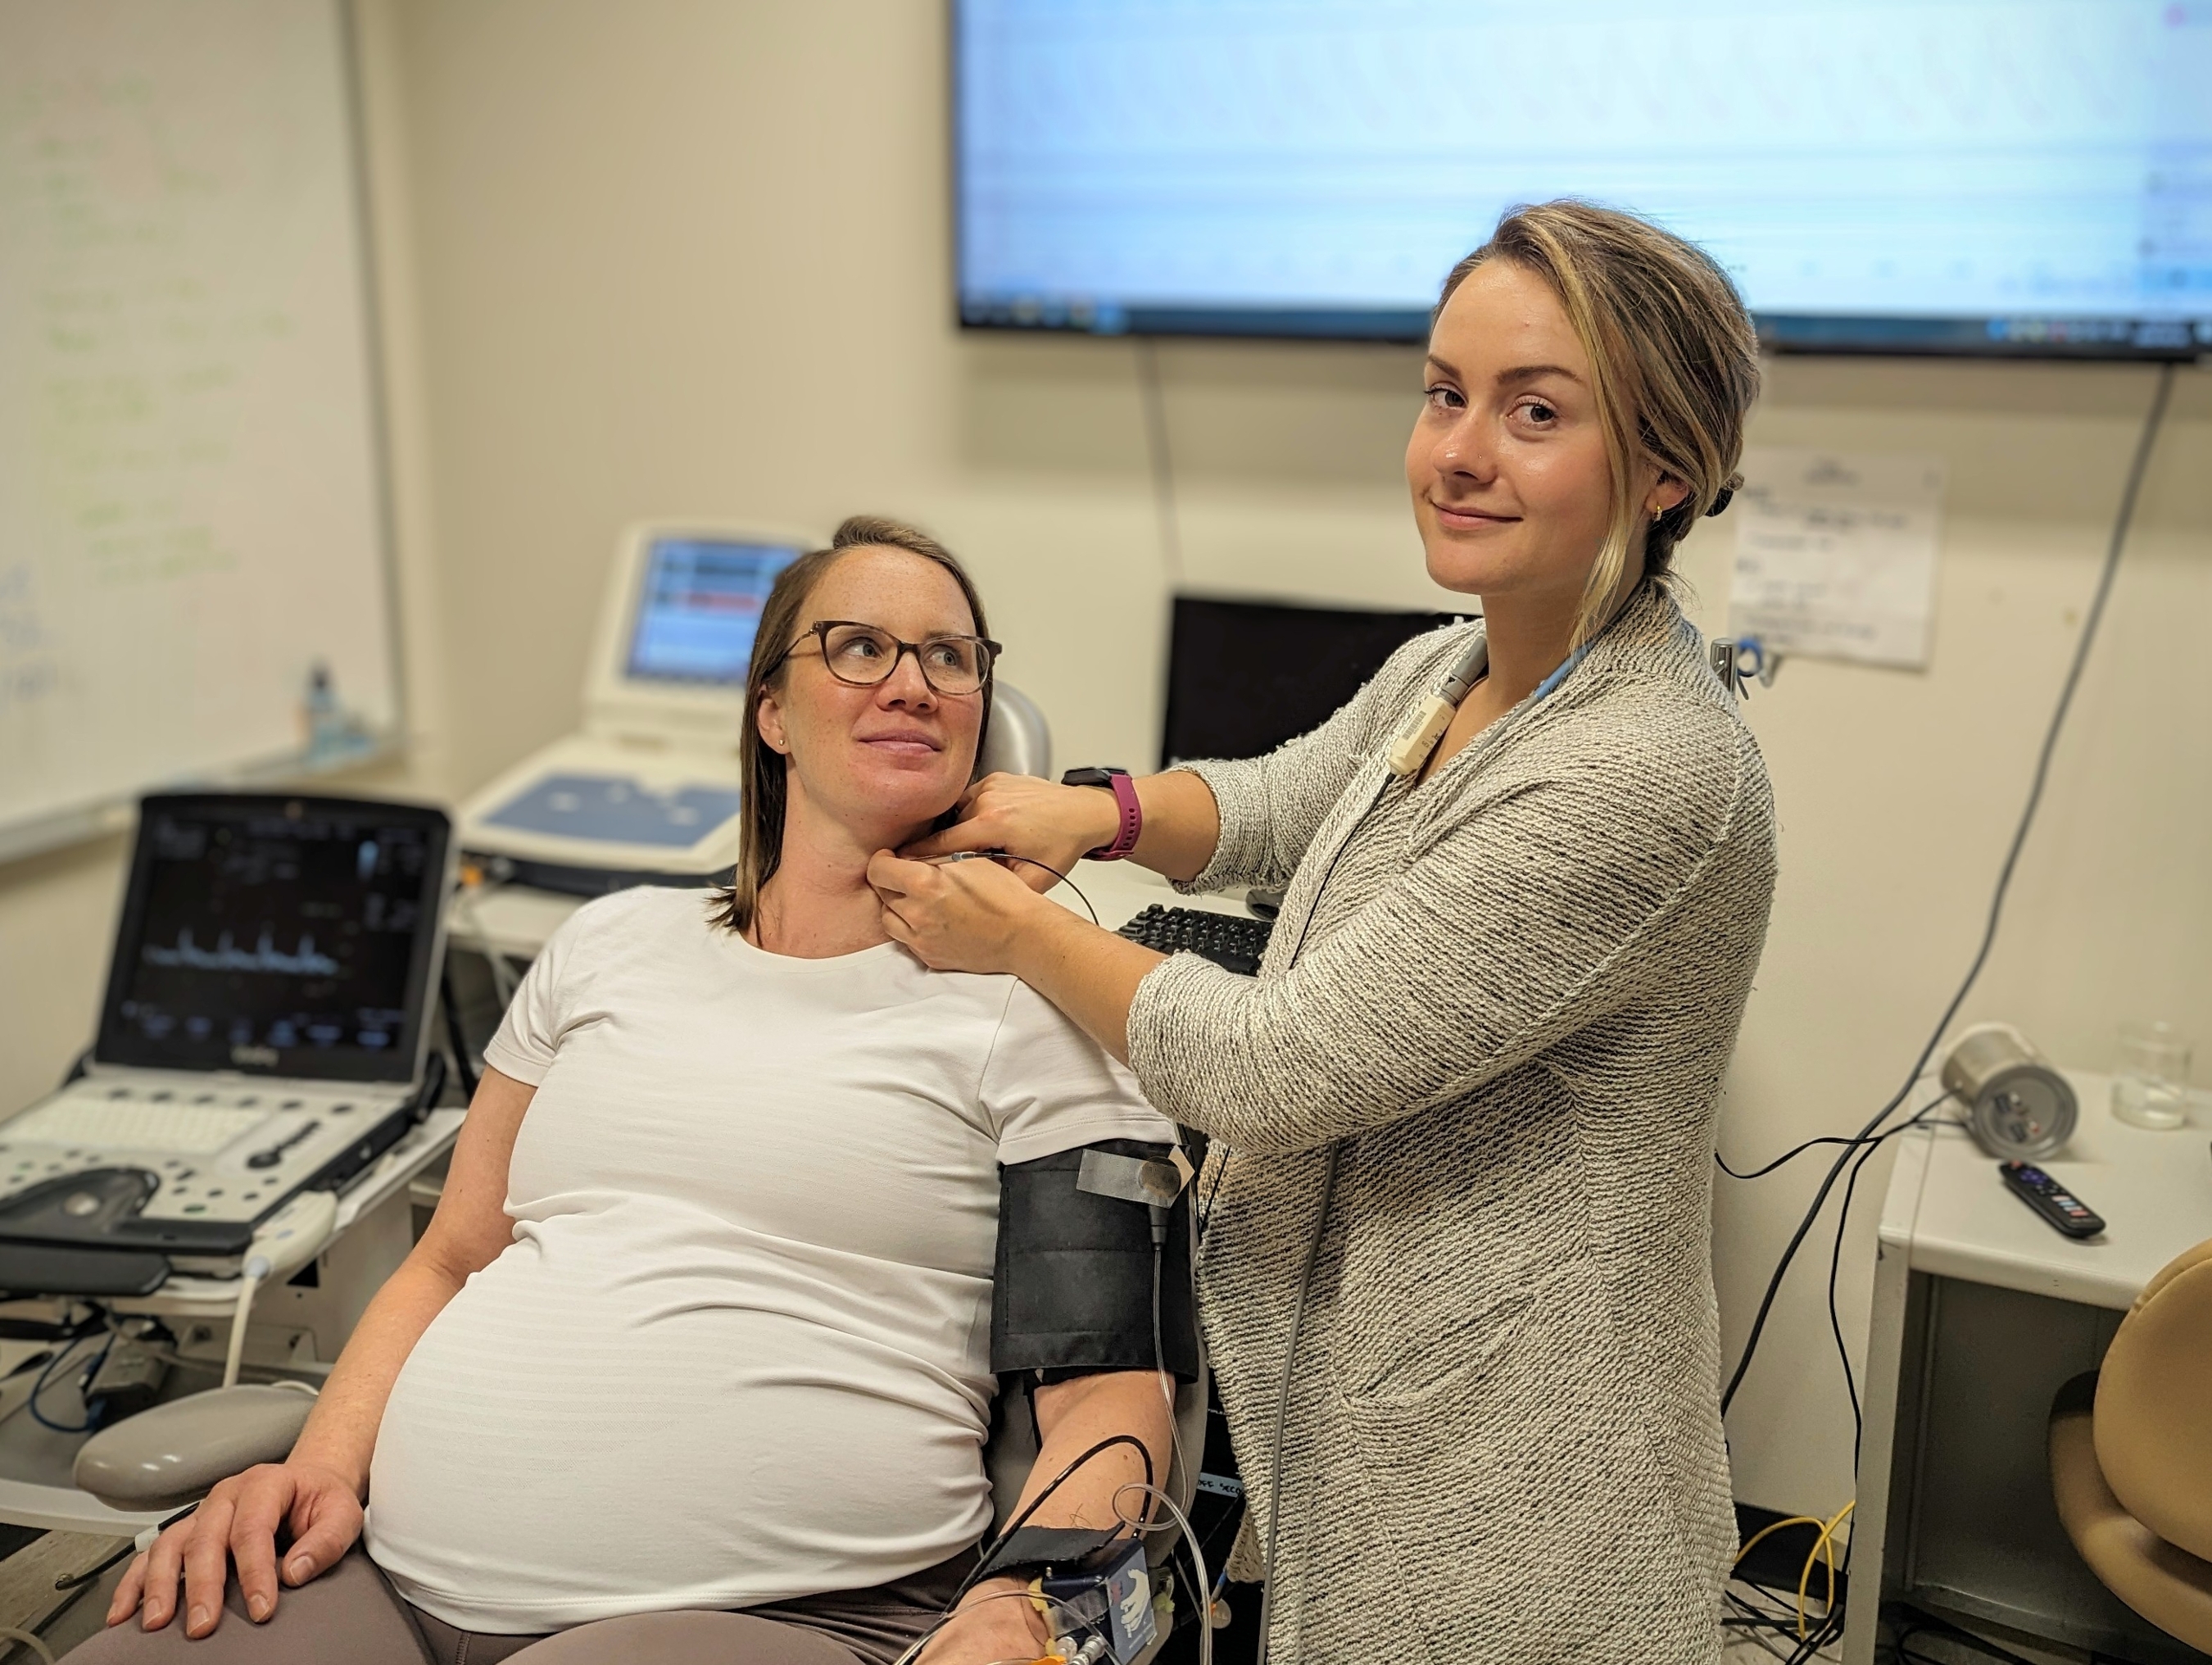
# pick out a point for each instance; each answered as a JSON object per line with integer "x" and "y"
{"x": 2062, "y": 1211}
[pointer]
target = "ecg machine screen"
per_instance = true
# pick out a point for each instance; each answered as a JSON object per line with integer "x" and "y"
{"x": 276, "y": 943}
{"x": 701, "y": 608}
{"x": 1883, "y": 175}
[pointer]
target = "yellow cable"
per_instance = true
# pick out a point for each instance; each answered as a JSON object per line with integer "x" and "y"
{"x": 1825, "y": 1544}
{"x": 1752, "y": 1542}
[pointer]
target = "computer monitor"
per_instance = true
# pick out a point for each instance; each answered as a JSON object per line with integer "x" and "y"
{"x": 676, "y": 633}
{"x": 1926, "y": 176}
{"x": 286, "y": 936}
{"x": 700, "y": 606}
{"x": 1243, "y": 677}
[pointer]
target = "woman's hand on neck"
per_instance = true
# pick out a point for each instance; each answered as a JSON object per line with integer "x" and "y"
{"x": 818, "y": 904}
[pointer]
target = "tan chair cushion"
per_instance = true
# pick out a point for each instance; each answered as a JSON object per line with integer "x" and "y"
{"x": 2154, "y": 1416}
{"x": 2167, "y": 1586}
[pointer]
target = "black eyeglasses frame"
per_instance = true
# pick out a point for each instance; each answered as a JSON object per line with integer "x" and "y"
{"x": 820, "y": 630}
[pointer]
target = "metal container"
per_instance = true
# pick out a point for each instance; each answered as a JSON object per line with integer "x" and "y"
{"x": 2018, "y": 1106}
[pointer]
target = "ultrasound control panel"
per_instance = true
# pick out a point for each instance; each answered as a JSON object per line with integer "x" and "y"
{"x": 212, "y": 1154}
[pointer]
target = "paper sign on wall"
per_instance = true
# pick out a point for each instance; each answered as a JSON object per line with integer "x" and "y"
{"x": 1835, "y": 553}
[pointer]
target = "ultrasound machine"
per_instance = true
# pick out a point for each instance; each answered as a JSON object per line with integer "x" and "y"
{"x": 263, "y": 1039}
{"x": 647, "y": 792}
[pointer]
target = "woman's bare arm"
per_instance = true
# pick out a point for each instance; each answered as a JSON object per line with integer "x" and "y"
{"x": 316, "y": 1493}
{"x": 1073, "y": 1416}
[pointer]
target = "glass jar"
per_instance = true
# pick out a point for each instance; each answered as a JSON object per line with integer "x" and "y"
{"x": 2150, "y": 1077}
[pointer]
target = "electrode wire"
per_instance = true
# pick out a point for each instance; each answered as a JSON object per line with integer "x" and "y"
{"x": 1181, "y": 1464}
{"x": 2152, "y": 421}
{"x": 1283, "y": 1402}
{"x": 983, "y": 1557}
{"x": 469, "y": 895}
{"x": 54, "y": 1366}
{"x": 1191, "y": 1545}
{"x": 1008, "y": 855}
{"x": 137, "y": 1545}
{"x": 1920, "y": 1118}
{"x": 1160, "y": 459}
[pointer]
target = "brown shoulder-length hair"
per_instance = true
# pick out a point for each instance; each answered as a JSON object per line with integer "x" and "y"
{"x": 760, "y": 841}
{"x": 1673, "y": 354}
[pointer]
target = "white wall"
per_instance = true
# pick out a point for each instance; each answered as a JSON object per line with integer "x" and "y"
{"x": 58, "y": 910}
{"x": 691, "y": 256}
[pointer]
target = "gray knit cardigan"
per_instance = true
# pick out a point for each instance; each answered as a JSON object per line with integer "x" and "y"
{"x": 1516, "y": 991}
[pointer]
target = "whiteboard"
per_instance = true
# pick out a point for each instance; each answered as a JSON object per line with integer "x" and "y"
{"x": 191, "y": 495}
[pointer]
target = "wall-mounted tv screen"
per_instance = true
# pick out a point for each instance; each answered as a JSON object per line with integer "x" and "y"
{"x": 1930, "y": 176}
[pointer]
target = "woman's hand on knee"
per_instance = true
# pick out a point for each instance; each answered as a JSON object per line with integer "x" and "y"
{"x": 316, "y": 1508}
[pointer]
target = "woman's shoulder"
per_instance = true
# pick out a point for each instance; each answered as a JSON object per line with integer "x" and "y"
{"x": 648, "y": 908}
{"x": 647, "y": 919}
{"x": 1653, "y": 728}
{"x": 1052, "y": 1087}
{"x": 1651, "y": 692}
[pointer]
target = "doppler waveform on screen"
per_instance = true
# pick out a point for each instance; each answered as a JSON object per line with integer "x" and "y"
{"x": 264, "y": 957}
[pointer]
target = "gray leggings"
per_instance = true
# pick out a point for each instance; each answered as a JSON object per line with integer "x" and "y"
{"x": 352, "y": 1616}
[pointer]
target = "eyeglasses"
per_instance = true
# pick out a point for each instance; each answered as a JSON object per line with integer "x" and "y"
{"x": 863, "y": 656}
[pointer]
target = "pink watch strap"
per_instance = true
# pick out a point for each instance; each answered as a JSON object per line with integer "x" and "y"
{"x": 1132, "y": 819}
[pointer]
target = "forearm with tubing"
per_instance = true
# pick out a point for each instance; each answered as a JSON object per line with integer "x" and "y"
{"x": 1073, "y": 1416}
{"x": 465, "y": 1235}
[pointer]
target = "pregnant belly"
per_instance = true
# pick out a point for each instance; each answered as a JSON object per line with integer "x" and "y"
{"x": 542, "y": 1473}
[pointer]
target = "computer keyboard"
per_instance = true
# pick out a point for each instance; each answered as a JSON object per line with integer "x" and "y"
{"x": 1227, "y": 940}
{"x": 131, "y": 1124}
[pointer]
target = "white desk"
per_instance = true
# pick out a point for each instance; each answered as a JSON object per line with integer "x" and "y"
{"x": 1980, "y": 1312}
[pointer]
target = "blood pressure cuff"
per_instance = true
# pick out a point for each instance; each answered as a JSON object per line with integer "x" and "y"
{"x": 1072, "y": 1290}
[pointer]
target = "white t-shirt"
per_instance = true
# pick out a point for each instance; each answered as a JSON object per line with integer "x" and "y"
{"x": 738, "y": 1350}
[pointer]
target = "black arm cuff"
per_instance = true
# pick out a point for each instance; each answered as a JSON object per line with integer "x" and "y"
{"x": 1071, "y": 1291}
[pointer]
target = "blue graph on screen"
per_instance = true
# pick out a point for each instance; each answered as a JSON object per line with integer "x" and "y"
{"x": 2003, "y": 165}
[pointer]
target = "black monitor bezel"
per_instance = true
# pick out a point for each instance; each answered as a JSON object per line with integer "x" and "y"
{"x": 117, "y": 1046}
{"x": 2044, "y": 338}
{"x": 1170, "y": 710}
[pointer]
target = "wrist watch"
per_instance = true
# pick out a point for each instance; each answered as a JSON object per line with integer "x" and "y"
{"x": 1117, "y": 782}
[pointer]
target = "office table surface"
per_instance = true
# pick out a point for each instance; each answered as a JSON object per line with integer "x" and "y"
{"x": 1947, "y": 1210}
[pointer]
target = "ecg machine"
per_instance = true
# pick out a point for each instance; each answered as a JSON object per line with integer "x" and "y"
{"x": 263, "y": 1034}
{"x": 648, "y": 792}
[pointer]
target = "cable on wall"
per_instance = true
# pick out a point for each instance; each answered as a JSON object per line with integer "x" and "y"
{"x": 1162, "y": 467}
{"x": 2154, "y": 419}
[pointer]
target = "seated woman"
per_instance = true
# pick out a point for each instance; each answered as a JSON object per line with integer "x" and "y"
{"x": 693, "y": 1362}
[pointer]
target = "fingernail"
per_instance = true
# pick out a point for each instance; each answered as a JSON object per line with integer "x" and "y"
{"x": 256, "y": 1607}
{"x": 301, "y": 1567}
{"x": 196, "y": 1619}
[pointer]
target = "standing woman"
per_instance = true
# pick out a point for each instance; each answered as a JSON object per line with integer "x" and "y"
{"x": 1456, "y": 1272}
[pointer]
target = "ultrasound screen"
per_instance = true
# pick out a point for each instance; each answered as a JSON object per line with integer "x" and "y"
{"x": 277, "y": 936}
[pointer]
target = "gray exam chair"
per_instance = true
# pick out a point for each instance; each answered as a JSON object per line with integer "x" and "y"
{"x": 1020, "y": 740}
